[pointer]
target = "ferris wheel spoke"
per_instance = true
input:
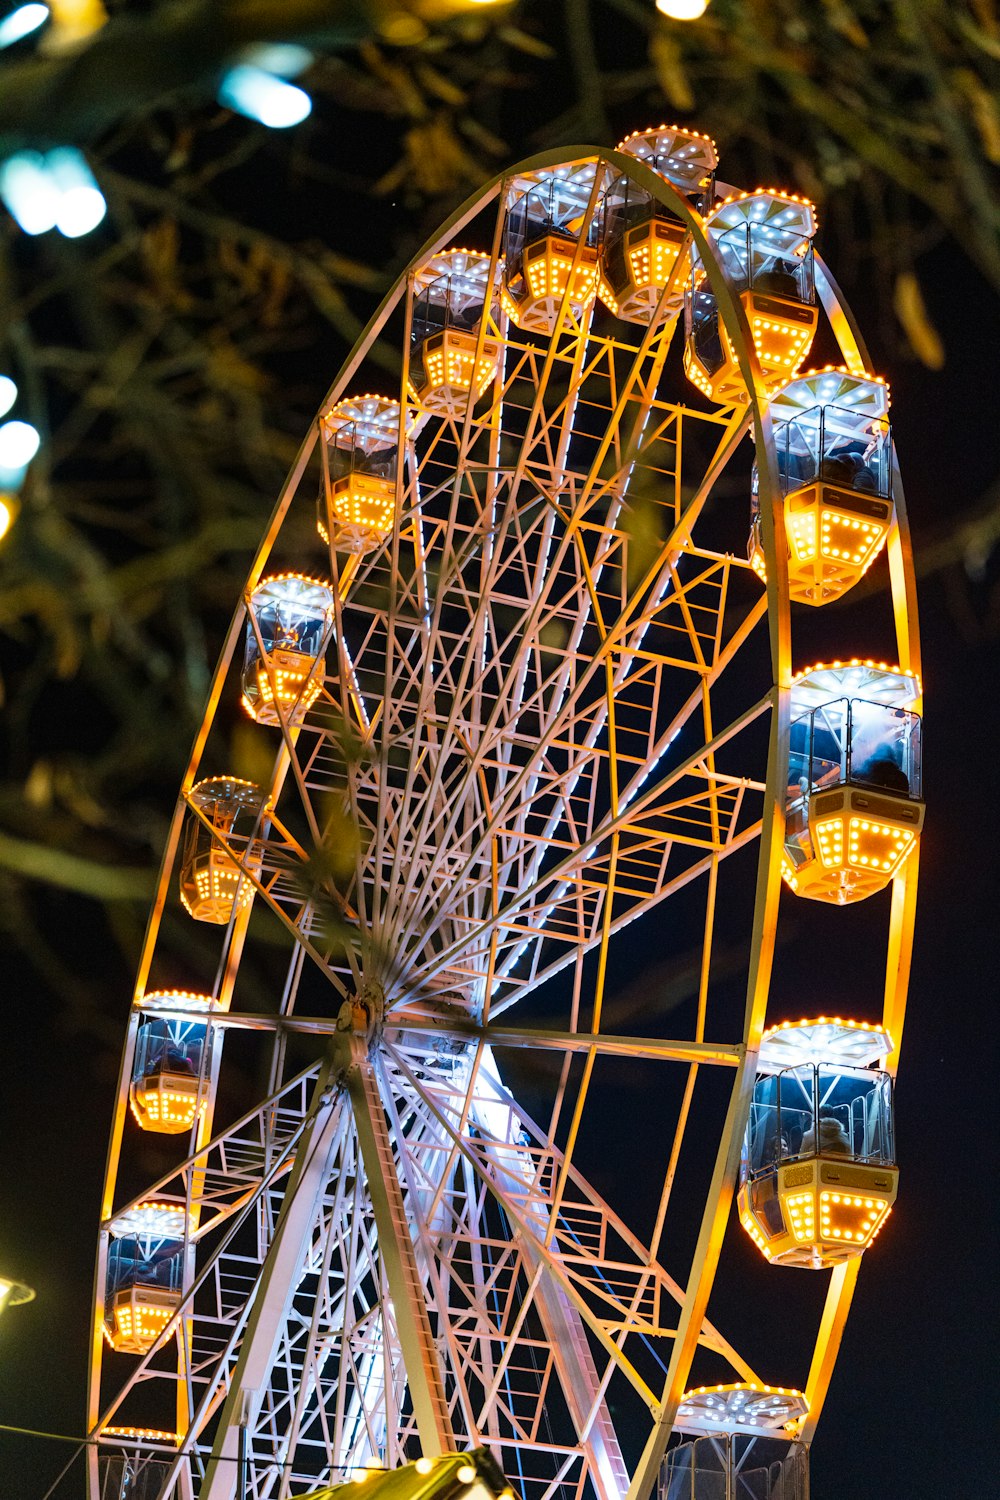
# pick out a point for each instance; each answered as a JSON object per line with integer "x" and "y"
{"x": 277, "y": 1284}
{"x": 529, "y": 591}
{"x": 520, "y": 876}
{"x": 429, "y": 803}
{"x": 569, "y": 778}
{"x": 562, "y": 1042}
{"x": 668, "y": 821}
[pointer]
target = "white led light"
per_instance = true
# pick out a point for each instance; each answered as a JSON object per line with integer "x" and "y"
{"x": 260, "y": 96}
{"x": 29, "y": 193}
{"x": 19, "y": 443}
{"x": 21, "y": 23}
{"x": 282, "y": 59}
{"x": 8, "y": 394}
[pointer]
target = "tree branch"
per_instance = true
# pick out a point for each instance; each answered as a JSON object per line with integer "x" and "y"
{"x": 135, "y": 63}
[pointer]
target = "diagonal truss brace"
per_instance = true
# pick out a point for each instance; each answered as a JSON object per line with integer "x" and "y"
{"x": 277, "y": 1283}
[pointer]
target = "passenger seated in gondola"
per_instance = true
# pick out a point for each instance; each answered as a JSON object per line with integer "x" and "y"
{"x": 848, "y": 470}
{"x": 883, "y": 769}
{"x": 178, "y": 1060}
{"x": 780, "y": 280}
{"x": 833, "y": 1138}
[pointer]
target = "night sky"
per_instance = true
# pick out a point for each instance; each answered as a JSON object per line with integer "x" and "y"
{"x": 909, "y": 1411}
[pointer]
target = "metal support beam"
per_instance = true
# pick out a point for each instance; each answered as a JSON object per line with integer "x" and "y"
{"x": 413, "y": 1327}
{"x": 706, "y": 1259}
{"x": 658, "y": 1048}
{"x": 838, "y": 1304}
{"x": 276, "y": 1287}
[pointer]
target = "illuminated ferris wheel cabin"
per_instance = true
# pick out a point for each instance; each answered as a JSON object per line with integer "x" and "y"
{"x": 451, "y": 353}
{"x": 818, "y": 1172}
{"x": 854, "y": 808}
{"x": 833, "y": 447}
{"x": 550, "y": 271}
{"x": 357, "y": 505}
{"x": 764, "y": 241}
{"x": 220, "y": 849}
{"x": 288, "y": 620}
{"x": 644, "y": 247}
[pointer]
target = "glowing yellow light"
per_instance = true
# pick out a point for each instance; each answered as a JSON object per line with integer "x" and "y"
{"x": 682, "y": 10}
{"x": 139, "y": 1321}
{"x": 549, "y": 276}
{"x": 451, "y": 369}
{"x": 166, "y": 1102}
{"x": 364, "y": 510}
{"x": 9, "y": 508}
{"x": 139, "y": 1434}
{"x": 212, "y": 884}
{"x": 466, "y": 1474}
{"x": 423, "y": 1465}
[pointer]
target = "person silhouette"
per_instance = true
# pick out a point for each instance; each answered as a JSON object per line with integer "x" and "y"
{"x": 833, "y": 1138}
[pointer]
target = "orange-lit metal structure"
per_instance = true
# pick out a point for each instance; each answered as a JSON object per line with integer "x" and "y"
{"x": 452, "y": 298}
{"x": 833, "y": 447}
{"x": 554, "y": 698}
{"x": 764, "y": 240}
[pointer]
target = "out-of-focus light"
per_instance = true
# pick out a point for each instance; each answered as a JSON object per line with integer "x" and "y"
{"x": 73, "y": 20}
{"x": 9, "y": 508}
{"x": 260, "y": 96}
{"x": 8, "y": 394}
{"x": 18, "y": 445}
{"x": 55, "y": 191}
{"x": 13, "y": 1293}
{"x": 81, "y": 202}
{"x": 29, "y": 193}
{"x": 283, "y": 59}
{"x": 682, "y": 10}
{"x": 22, "y": 22}
{"x": 80, "y": 211}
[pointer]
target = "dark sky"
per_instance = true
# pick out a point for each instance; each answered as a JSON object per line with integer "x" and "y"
{"x": 919, "y": 1349}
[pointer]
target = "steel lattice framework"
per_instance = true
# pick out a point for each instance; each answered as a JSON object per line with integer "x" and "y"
{"x": 555, "y": 699}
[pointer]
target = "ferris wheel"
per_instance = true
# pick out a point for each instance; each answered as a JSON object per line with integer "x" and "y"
{"x": 526, "y": 684}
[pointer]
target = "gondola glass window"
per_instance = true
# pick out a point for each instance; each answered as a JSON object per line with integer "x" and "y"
{"x": 550, "y": 276}
{"x": 144, "y": 1275}
{"x": 357, "y": 502}
{"x": 764, "y": 241}
{"x": 216, "y": 843}
{"x": 833, "y": 446}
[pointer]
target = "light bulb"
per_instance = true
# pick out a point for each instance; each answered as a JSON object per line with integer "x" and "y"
{"x": 8, "y": 514}
{"x": 81, "y": 202}
{"x": 21, "y": 23}
{"x": 29, "y": 193}
{"x": 80, "y": 211}
{"x": 18, "y": 445}
{"x": 8, "y": 394}
{"x": 682, "y": 10}
{"x": 260, "y": 96}
{"x": 284, "y": 59}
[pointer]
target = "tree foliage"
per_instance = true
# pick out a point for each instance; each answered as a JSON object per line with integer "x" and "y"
{"x": 173, "y": 359}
